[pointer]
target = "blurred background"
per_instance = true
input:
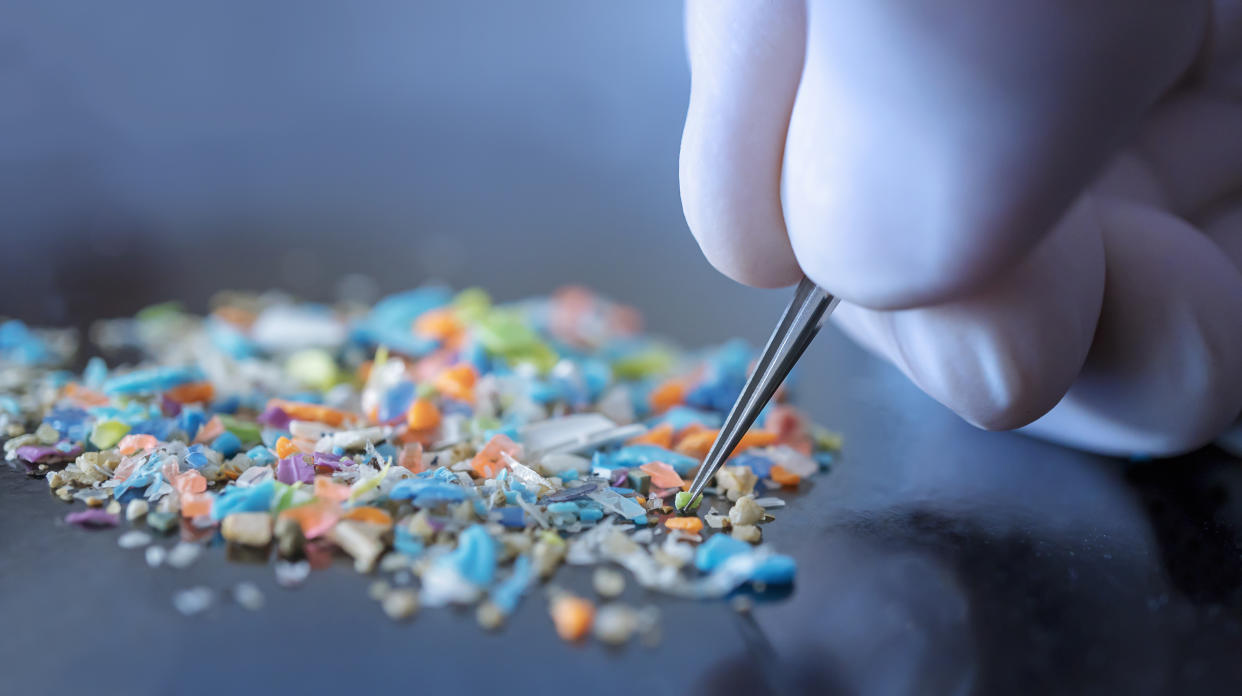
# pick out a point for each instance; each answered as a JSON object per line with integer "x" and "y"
{"x": 160, "y": 150}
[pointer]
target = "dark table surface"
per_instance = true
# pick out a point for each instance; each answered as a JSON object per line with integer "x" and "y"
{"x": 934, "y": 559}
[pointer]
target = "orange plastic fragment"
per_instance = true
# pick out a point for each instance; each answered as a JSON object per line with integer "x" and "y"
{"x": 438, "y": 323}
{"x": 284, "y": 447}
{"x": 457, "y": 382}
{"x": 192, "y": 392}
{"x": 370, "y": 515}
{"x": 315, "y": 518}
{"x": 662, "y": 475}
{"x": 784, "y": 476}
{"x": 693, "y": 525}
{"x": 668, "y": 394}
{"x": 699, "y": 443}
{"x": 210, "y": 430}
{"x": 327, "y": 489}
{"x": 189, "y": 483}
{"x": 195, "y": 504}
{"x": 660, "y": 436}
{"x": 310, "y": 412}
{"x": 489, "y": 462}
{"x": 136, "y": 443}
{"x": 422, "y": 415}
{"x": 572, "y": 616}
{"x": 411, "y": 457}
{"x": 236, "y": 316}
{"x": 84, "y": 396}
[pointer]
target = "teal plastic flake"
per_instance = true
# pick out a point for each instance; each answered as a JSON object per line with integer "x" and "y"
{"x": 475, "y": 555}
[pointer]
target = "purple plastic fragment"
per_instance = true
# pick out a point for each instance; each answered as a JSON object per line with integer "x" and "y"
{"x": 294, "y": 468}
{"x": 329, "y": 460}
{"x": 436, "y": 525}
{"x": 571, "y": 493}
{"x": 274, "y": 417}
{"x": 171, "y": 408}
{"x": 40, "y": 454}
{"x": 92, "y": 519}
{"x": 619, "y": 477}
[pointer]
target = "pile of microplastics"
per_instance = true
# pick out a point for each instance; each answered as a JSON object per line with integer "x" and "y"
{"x": 460, "y": 450}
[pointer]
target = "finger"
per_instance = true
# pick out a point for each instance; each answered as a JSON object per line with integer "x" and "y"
{"x": 1006, "y": 354}
{"x": 1164, "y": 374}
{"x": 745, "y": 60}
{"x": 931, "y": 145}
{"x": 1194, "y": 143}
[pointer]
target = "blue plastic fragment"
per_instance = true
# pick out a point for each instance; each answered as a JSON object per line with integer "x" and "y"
{"x": 226, "y": 338}
{"x": 95, "y": 373}
{"x": 261, "y": 455}
{"x": 776, "y": 569}
{"x": 683, "y": 416}
{"x": 405, "y": 542}
{"x": 508, "y": 593}
{"x": 190, "y": 421}
{"x": 196, "y": 456}
{"x": 634, "y": 456}
{"x": 227, "y": 444}
{"x": 396, "y": 401}
{"x": 151, "y": 380}
{"x": 570, "y": 493}
{"x": 426, "y": 492}
{"x": 512, "y": 516}
{"x": 590, "y": 514}
{"x": 716, "y": 550}
{"x": 761, "y": 466}
{"x": 19, "y": 344}
{"x": 257, "y": 498}
{"x": 475, "y": 555}
{"x": 563, "y": 508}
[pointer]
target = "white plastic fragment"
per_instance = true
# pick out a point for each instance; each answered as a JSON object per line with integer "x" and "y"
{"x": 745, "y": 511}
{"x": 248, "y": 595}
{"x": 183, "y": 554}
{"x": 292, "y": 574}
{"x": 194, "y": 600}
{"x": 133, "y": 539}
{"x": 400, "y": 604}
{"x": 615, "y": 623}
{"x": 769, "y": 502}
{"x": 560, "y": 463}
{"x": 608, "y": 582}
{"x": 155, "y": 556}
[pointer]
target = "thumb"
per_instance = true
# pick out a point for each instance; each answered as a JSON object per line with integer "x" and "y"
{"x": 931, "y": 145}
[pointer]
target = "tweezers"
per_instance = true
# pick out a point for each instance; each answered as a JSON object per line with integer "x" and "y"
{"x": 806, "y": 312}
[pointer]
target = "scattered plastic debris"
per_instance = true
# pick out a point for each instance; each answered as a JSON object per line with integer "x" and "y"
{"x": 460, "y": 451}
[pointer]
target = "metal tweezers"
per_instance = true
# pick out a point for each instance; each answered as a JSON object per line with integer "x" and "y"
{"x": 806, "y": 312}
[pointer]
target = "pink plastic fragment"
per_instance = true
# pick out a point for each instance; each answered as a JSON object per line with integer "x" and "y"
{"x": 92, "y": 519}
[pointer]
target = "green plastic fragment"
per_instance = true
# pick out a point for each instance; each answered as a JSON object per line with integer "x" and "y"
{"x": 157, "y": 312}
{"x": 507, "y": 334}
{"x": 826, "y": 439}
{"x": 640, "y": 481}
{"x": 472, "y": 304}
{"x": 683, "y": 503}
{"x": 161, "y": 521}
{"x": 249, "y": 433}
{"x": 285, "y": 496}
{"x": 312, "y": 367}
{"x": 424, "y": 390}
{"x": 645, "y": 363}
{"x": 107, "y": 433}
{"x": 551, "y": 537}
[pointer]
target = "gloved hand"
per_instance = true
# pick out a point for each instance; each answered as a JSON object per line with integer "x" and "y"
{"x": 1033, "y": 208}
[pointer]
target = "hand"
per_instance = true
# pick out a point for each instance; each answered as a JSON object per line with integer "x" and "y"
{"x": 1033, "y": 209}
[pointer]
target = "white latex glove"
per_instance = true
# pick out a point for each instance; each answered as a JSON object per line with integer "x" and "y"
{"x": 1032, "y": 208}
